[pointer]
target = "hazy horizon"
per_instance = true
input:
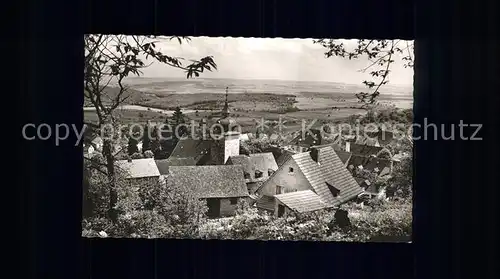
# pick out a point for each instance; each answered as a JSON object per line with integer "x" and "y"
{"x": 297, "y": 60}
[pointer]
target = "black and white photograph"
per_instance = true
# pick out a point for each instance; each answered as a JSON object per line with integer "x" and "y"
{"x": 247, "y": 138}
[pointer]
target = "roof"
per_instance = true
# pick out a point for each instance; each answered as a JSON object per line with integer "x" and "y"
{"x": 244, "y": 137}
{"x": 363, "y": 149}
{"x": 330, "y": 170}
{"x": 369, "y": 163}
{"x": 139, "y": 168}
{"x": 162, "y": 166}
{"x": 264, "y": 161}
{"x": 302, "y": 201}
{"x": 255, "y": 162}
{"x": 382, "y": 136}
{"x": 310, "y": 139}
{"x": 265, "y": 202}
{"x": 196, "y": 150}
{"x": 344, "y": 156}
{"x": 287, "y": 154}
{"x": 222, "y": 181}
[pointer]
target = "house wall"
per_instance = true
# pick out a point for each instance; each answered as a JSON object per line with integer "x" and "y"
{"x": 228, "y": 209}
{"x": 231, "y": 146}
{"x": 290, "y": 181}
{"x": 287, "y": 209}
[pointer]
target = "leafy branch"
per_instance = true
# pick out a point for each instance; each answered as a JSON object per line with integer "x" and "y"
{"x": 379, "y": 52}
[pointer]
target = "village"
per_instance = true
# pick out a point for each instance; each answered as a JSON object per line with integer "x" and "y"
{"x": 312, "y": 172}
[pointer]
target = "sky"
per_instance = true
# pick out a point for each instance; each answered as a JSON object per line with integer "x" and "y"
{"x": 272, "y": 58}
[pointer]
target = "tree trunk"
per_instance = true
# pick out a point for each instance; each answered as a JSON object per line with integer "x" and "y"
{"x": 110, "y": 166}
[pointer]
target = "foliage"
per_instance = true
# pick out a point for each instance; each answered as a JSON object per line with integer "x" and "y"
{"x": 146, "y": 139}
{"x": 132, "y": 146}
{"x": 380, "y": 52}
{"x": 387, "y": 218}
{"x": 137, "y": 155}
{"x": 400, "y": 183}
{"x": 146, "y": 208}
{"x": 112, "y": 58}
{"x": 148, "y": 154}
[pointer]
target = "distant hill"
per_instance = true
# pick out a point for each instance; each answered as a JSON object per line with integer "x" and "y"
{"x": 206, "y": 85}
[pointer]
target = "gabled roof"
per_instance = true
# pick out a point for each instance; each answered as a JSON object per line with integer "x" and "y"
{"x": 330, "y": 170}
{"x": 138, "y": 168}
{"x": 364, "y": 150}
{"x": 242, "y": 160}
{"x": 264, "y": 161}
{"x": 197, "y": 150}
{"x": 302, "y": 201}
{"x": 222, "y": 181}
{"x": 287, "y": 154}
{"x": 310, "y": 139}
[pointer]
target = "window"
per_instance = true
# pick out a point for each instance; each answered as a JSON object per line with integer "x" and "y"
{"x": 281, "y": 210}
{"x": 288, "y": 190}
{"x": 290, "y": 170}
{"x": 234, "y": 201}
{"x": 246, "y": 175}
{"x": 258, "y": 174}
{"x": 335, "y": 192}
{"x": 279, "y": 190}
{"x": 270, "y": 172}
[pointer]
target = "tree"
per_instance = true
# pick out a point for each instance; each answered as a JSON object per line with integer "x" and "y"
{"x": 178, "y": 118}
{"x": 112, "y": 58}
{"x": 381, "y": 54}
{"x": 132, "y": 146}
{"x": 146, "y": 139}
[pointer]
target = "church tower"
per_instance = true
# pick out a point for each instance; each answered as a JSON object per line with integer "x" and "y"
{"x": 228, "y": 143}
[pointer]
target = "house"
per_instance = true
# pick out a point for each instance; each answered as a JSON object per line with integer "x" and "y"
{"x": 344, "y": 156}
{"x": 92, "y": 144}
{"x": 303, "y": 141}
{"x": 225, "y": 142}
{"x": 370, "y": 188}
{"x": 381, "y": 167}
{"x": 196, "y": 152}
{"x": 298, "y": 202}
{"x": 221, "y": 186}
{"x": 256, "y": 168}
{"x": 362, "y": 149}
{"x": 381, "y": 137}
{"x": 244, "y": 137}
{"x": 139, "y": 170}
{"x": 320, "y": 170}
{"x": 285, "y": 155}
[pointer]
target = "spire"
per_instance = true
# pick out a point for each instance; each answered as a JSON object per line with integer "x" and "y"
{"x": 225, "y": 112}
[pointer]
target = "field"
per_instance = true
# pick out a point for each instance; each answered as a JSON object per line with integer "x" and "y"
{"x": 249, "y": 100}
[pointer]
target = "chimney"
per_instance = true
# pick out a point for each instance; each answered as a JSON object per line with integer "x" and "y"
{"x": 129, "y": 159}
{"x": 314, "y": 154}
{"x": 348, "y": 146}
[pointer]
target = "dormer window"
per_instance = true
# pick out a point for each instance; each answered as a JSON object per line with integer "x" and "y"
{"x": 335, "y": 192}
{"x": 270, "y": 172}
{"x": 246, "y": 175}
{"x": 258, "y": 174}
{"x": 376, "y": 170}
